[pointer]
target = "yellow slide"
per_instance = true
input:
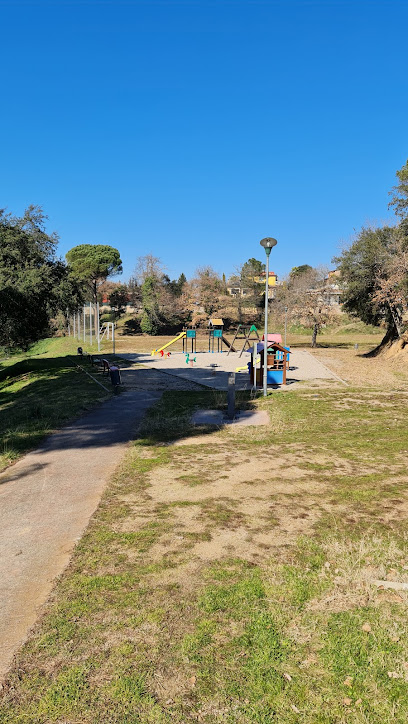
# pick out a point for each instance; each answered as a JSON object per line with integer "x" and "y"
{"x": 241, "y": 369}
{"x": 179, "y": 336}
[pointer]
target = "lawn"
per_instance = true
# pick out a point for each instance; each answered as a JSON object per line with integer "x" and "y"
{"x": 39, "y": 392}
{"x": 228, "y": 576}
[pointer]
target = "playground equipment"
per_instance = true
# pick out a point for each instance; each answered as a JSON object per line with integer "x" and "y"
{"x": 248, "y": 334}
{"x": 277, "y": 364}
{"x": 175, "y": 339}
{"x": 191, "y": 335}
{"x": 190, "y": 361}
{"x": 214, "y": 333}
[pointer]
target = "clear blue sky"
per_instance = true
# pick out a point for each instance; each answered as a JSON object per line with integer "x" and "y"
{"x": 192, "y": 129}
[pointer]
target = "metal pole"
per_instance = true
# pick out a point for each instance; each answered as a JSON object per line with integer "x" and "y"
{"x": 74, "y": 326}
{"x": 98, "y": 336}
{"x": 83, "y": 313}
{"x": 231, "y": 396}
{"x": 90, "y": 323}
{"x": 79, "y": 325}
{"x": 254, "y": 358}
{"x": 286, "y": 319}
{"x": 113, "y": 337}
{"x": 265, "y": 371}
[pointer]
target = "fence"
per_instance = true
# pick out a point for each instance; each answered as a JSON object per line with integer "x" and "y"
{"x": 85, "y": 326}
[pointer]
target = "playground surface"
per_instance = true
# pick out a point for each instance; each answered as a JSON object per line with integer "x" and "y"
{"x": 46, "y": 500}
{"x": 303, "y": 366}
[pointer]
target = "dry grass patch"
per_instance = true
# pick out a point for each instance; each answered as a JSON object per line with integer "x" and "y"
{"x": 227, "y": 577}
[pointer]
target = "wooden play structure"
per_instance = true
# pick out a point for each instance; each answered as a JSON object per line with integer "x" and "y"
{"x": 277, "y": 364}
{"x": 248, "y": 334}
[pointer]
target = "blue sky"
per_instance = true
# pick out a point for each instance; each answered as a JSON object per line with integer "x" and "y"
{"x": 192, "y": 129}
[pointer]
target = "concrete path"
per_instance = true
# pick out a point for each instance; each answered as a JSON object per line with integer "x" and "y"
{"x": 46, "y": 500}
{"x": 303, "y": 366}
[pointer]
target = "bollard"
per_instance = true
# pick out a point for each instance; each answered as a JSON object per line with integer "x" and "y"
{"x": 231, "y": 396}
{"x": 115, "y": 376}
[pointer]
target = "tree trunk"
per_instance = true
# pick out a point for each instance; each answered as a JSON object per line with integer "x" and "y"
{"x": 390, "y": 336}
{"x": 314, "y": 335}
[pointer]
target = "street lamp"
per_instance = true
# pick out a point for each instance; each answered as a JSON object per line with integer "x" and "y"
{"x": 268, "y": 244}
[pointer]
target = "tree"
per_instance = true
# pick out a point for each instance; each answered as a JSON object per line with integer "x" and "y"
{"x": 150, "y": 321}
{"x": 252, "y": 267}
{"x": 303, "y": 295}
{"x": 93, "y": 264}
{"x": 34, "y": 284}
{"x": 174, "y": 286}
{"x": 148, "y": 266}
{"x": 297, "y": 271}
{"x": 208, "y": 287}
{"x": 250, "y": 297}
{"x": 399, "y": 194}
{"x": 118, "y": 299}
{"x": 364, "y": 267}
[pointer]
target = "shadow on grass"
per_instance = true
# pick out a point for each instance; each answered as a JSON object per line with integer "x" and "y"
{"x": 36, "y": 397}
{"x": 170, "y": 419}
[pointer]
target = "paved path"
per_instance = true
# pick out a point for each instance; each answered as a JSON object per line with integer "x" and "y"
{"x": 303, "y": 366}
{"x": 46, "y": 500}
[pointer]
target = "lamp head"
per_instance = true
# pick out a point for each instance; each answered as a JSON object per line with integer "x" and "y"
{"x": 268, "y": 243}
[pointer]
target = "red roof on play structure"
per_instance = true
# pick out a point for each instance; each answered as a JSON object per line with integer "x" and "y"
{"x": 273, "y": 338}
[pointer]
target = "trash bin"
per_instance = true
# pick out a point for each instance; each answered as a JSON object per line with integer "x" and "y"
{"x": 115, "y": 376}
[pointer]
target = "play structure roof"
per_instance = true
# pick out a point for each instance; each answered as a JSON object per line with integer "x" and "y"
{"x": 275, "y": 337}
{"x": 271, "y": 346}
{"x": 216, "y": 322}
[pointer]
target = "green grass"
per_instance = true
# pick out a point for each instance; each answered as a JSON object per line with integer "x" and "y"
{"x": 39, "y": 392}
{"x": 182, "y": 606}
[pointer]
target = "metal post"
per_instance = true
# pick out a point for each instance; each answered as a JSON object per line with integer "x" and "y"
{"x": 98, "y": 336}
{"x": 113, "y": 337}
{"x": 83, "y": 313}
{"x": 265, "y": 371}
{"x": 90, "y": 323}
{"x": 231, "y": 396}
{"x": 254, "y": 358}
{"x": 286, "y": 320}
{"x": 74, "y": 326}
{"x": 79, "y": 326}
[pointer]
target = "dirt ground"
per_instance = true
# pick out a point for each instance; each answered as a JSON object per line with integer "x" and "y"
{"x": 358, "y": 370}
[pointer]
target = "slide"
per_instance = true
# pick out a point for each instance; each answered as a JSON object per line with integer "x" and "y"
{"x": 228, "y": 344}
{"x": 179, "y": 336}
{"x": 245, "y": 367}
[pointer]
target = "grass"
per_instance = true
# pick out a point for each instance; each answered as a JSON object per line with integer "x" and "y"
{"x": 229, "y": 578}
{"x": 39, "y": 392}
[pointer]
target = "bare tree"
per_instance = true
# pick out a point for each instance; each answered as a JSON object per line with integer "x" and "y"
{"x": 207, "y": 286}
{"x": 391, "y": 280}
{"x": 303, "y": 295}
{"x": 148, "y": 266}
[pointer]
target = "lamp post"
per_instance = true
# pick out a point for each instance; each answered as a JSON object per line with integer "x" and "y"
{"x": 268, "y": 244}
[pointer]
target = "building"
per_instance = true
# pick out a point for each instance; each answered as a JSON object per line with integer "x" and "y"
{"x": 272, "y": 281}
{"x": 237, "y": 290}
